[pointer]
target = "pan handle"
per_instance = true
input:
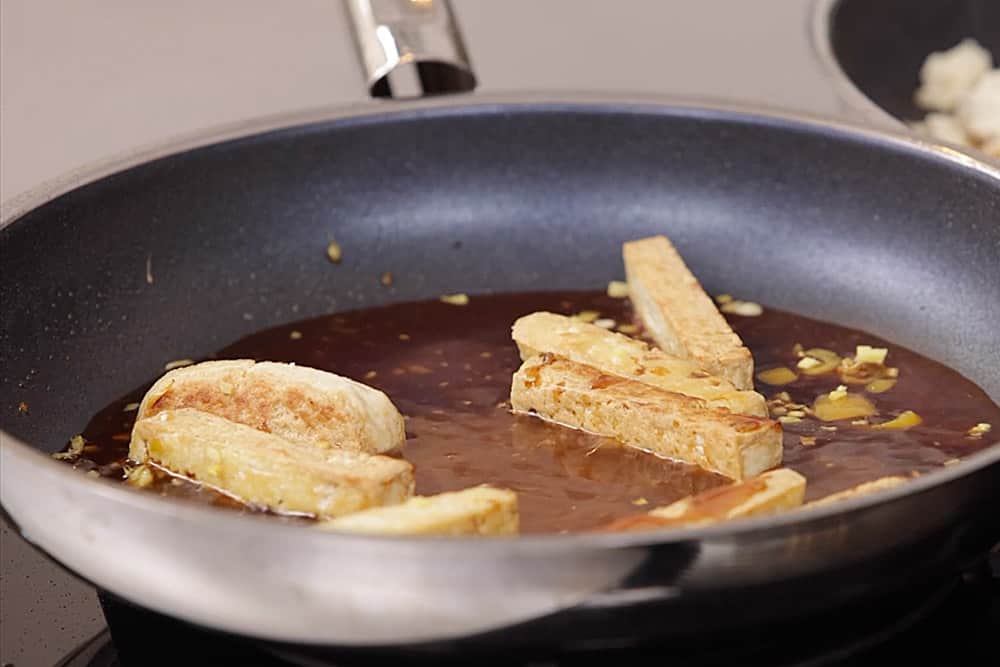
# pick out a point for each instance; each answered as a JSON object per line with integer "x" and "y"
{"x": 410, "y": 48}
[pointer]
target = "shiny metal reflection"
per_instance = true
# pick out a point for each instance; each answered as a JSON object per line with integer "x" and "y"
{"x": 417, "y": 35}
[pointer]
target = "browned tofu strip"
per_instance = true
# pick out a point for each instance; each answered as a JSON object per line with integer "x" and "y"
{"x": 480, "y": 510}
{"x": 770, "y": 493}
{"x": 863, "y": 489}
{"x": 263, "y": 469}
{"x": 614, "y": 353}
{"x": 682, "y": 319}
{"x": 639, "y": 415}
{"x": 304, "y": 405}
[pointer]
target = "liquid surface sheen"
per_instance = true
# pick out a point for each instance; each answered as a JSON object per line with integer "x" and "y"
{"x": 448, "y": 369}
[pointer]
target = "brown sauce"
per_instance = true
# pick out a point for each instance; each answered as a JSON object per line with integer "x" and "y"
{"x": 448, "y": 369}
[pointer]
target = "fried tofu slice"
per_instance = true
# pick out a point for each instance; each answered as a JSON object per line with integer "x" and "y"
{"x": 682, "y": 319}
{"x": 480, "y": 510}
{"x": 302, "y": 405}
{"x": 639, "y": 415}
{"x": 770, "y": 493}
{"x": 617, "y": 354}
{"x": 863, "y": 489}
{"x": 263, "y": 469}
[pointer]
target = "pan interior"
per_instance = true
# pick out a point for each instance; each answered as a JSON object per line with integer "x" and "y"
{"x": 178, "y": 257}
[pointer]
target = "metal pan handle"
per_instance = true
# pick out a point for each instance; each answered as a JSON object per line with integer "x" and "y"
{"x": 410, "y": 48}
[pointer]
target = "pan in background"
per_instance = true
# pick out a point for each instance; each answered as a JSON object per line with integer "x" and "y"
{"x": 874, "y": 48}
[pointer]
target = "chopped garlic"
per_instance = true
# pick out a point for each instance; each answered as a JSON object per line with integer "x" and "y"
{"x": 947, "y": 76}
{"x": 808, "y": 362}
{"x": 334, "y": 253}
{"x": 945, "y": 127}
{"x": 839, "y": 393}
{"x": 605, "y": 323}
{"x": 177, "y": 363}
{"x": 979, "y": 111}
{"x": 723, "y": 299}
{"x": 866, "y": 354}
{"x": 586, "y": 316}
{"x": 140, "y": 476}
{"x": 618, "y": 289}
{"x": 829, "y": 360}
{"x": 742, "y": 308}
{"x": 76, "y": 444}
{"x": 455, "y": 299}
{"x": 979, "y": 430}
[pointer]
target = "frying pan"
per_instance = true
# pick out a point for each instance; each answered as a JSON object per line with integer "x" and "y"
{"x": 874, "y": 48}
{"x": 177, "y": 252}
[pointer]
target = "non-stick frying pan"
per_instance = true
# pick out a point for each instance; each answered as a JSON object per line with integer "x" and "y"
{"x": 883, "y": 233}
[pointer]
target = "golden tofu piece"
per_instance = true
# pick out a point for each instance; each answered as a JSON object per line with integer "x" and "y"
{"x": 263, "y": 469}
{"x": 639, "y": 415}
{"x": 863, "y": 489}
{"x": 614, "y": 353}
{"x": 770, "y": 493}
{"x": 302, "y": 405}
{"x": 480, "y": 510}
{"x": 682, "y": 319}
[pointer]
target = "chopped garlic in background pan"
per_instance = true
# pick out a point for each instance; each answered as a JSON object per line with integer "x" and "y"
{"x": 979, "y": 111}
{"x": 961, "y": 90}
{"x": 948, "y": 76}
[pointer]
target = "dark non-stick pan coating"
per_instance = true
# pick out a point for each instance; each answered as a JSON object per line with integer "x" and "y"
{"x": 180, "y": 256}
{"x": 235, "y": 235}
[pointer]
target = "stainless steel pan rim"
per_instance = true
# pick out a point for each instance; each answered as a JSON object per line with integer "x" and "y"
{"x": 17, "y": 454}
{"x": 851, "y": 95}
{"x": 314, "y": 612}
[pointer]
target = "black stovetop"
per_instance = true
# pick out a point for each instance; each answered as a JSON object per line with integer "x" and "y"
{"x": 958, "y": 623}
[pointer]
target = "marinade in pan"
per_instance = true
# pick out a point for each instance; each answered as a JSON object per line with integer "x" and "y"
{"x": 448, "y": 369}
